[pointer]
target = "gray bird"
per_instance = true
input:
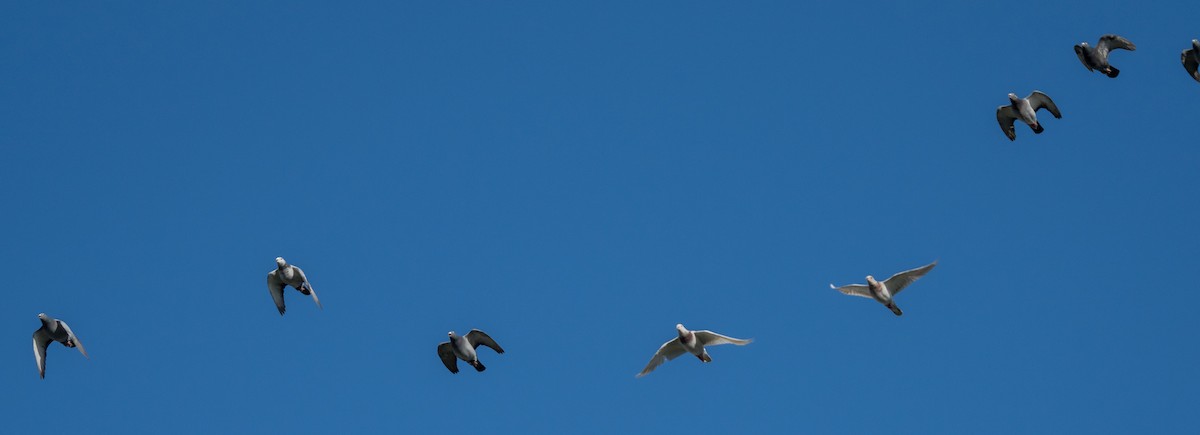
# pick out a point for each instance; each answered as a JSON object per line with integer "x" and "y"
{"x": 1096, "y": 58}
{"x": 1024, "y": 109}
{"x": 885, "y": 291}
{"x": 692, "y": 342}
{"x": 52, "y": 330}
{"x": 463, "y": 348}
{"x": 1191, "y": 59}
{"x": 285, "y": 275}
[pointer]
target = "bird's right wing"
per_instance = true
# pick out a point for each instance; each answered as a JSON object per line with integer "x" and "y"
{"x": 668, "y": 351}
{"x": 74, "y": 338}
{"x": 1039, "y": 100}
{"x": 1005, "y": 115}
{"x": 854, "y": 290}
{"x": 1190, "y": 63}
{"x": 446, "y": 353}
{"x": 275, "y": 286}
{"x": 1082, "y": 57}
{"x": 41, "y": 339}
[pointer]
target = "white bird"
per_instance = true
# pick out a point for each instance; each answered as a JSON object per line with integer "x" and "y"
{"x": 885, "y": 291}
{"x": 285, "y": 275}
{"x": 1024, "y": 109}
{"x": 463, "y": 348}
{"x": 1096, "y": 58}
{"x": 52, "y": 330}
{"x": 1191, "y": 59}
{"x": 692, "y": 342}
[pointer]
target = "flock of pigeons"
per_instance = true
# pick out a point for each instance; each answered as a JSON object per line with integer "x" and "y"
{"x": 693, "y": 342}
{"x": 462, "y": 347}
{"x": 1095, "y": 59}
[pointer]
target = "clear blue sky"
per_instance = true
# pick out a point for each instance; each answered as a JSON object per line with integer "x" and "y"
{"x": 577, "y": 179}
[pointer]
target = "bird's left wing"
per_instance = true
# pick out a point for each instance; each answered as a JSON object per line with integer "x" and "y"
{"x": 1039, "y": 100}
{"x": 901, "y": 280}
{"x": 477, "y": 337}
{"x": 709, "y": 338}
{"x": 74, "y": 338}
{"x": 1110, "y": 41}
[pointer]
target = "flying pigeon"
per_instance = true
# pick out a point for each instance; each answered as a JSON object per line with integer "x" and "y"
{"x": 463, "y": 348}
{"x": 285, "y": 275}
{"x": 885, "y": 291}
{"x": 1025, "y": 109}
{"x": 692, "y": 342}
{"x": 52, "y": 330}
{"x": 1096, "y": 58}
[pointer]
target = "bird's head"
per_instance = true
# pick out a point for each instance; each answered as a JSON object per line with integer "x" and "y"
{"x": 1081, "y": 45}
{"x": 871, "y": 280}
{"x": 279, "y": 262}
{"x": 450, "y": 334}
{"x": 1013, "y": 98}
{"x": 679, "y": 328}
{"x": 42, "y": 316}
{"x": 1196, "y": 45}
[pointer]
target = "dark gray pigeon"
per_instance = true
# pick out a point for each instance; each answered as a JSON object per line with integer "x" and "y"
{"x": 52, "y": 330}
{"x": 1191, "y": 59}
{"x": 285, "y": 275}
{"x": 1024, "y": 109}
{"x": 883, "y": 292}
{"x": 463, "y": 348}
{"x": 1096, "y": 58}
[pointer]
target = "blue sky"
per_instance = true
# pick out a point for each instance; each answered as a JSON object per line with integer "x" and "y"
{"x": 575, "y": 179}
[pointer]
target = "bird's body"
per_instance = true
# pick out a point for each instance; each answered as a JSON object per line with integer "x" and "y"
{"x": 1025, "y": 110}
{"x": 884, "y": 292}
{"x": 1191, "y": 60}
{"x": 463, "y": 347}
{"x": 52, "y": 330}
{"x": 288, "y": 275}
{"x": 692, "y": 342}
{"x": 1096, "y": 58}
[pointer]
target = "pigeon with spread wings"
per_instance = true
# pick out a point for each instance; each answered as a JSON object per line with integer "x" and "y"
{"x": 1096, "y": 58}
{"x": 1025, "y": 109}
{"x": 52, "y": 330}
{"x": 883, "y": 292}
{"x": 460, "y": 347}
{"x": 285, "y": 275}
{"x": 692, "y": 342}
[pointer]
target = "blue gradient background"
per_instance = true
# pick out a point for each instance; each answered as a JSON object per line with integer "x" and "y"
{"x": 575, "y": 179}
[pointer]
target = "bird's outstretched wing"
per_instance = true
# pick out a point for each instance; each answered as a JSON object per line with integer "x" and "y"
{"x": 1082, "y": 57}
{"x": 1038, "y": 100}
{"x": 446, "y": 353}
{"x": 477, "y": 337}
{"x": 668, "y": 351}
{"x": 275, "y": 286}
{"x": 74, "y": 339}
{"x": 1110, "y": 41}
{"x": 901, "y": 280}
{"x": 1005, "y": 115}
{"x": 854, "y": 290}
{"x": 306, "y": 286}
{"x": 1191, "y": 63}
{"x": 41, "y": 339}
{"x": 709, "y": 338}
